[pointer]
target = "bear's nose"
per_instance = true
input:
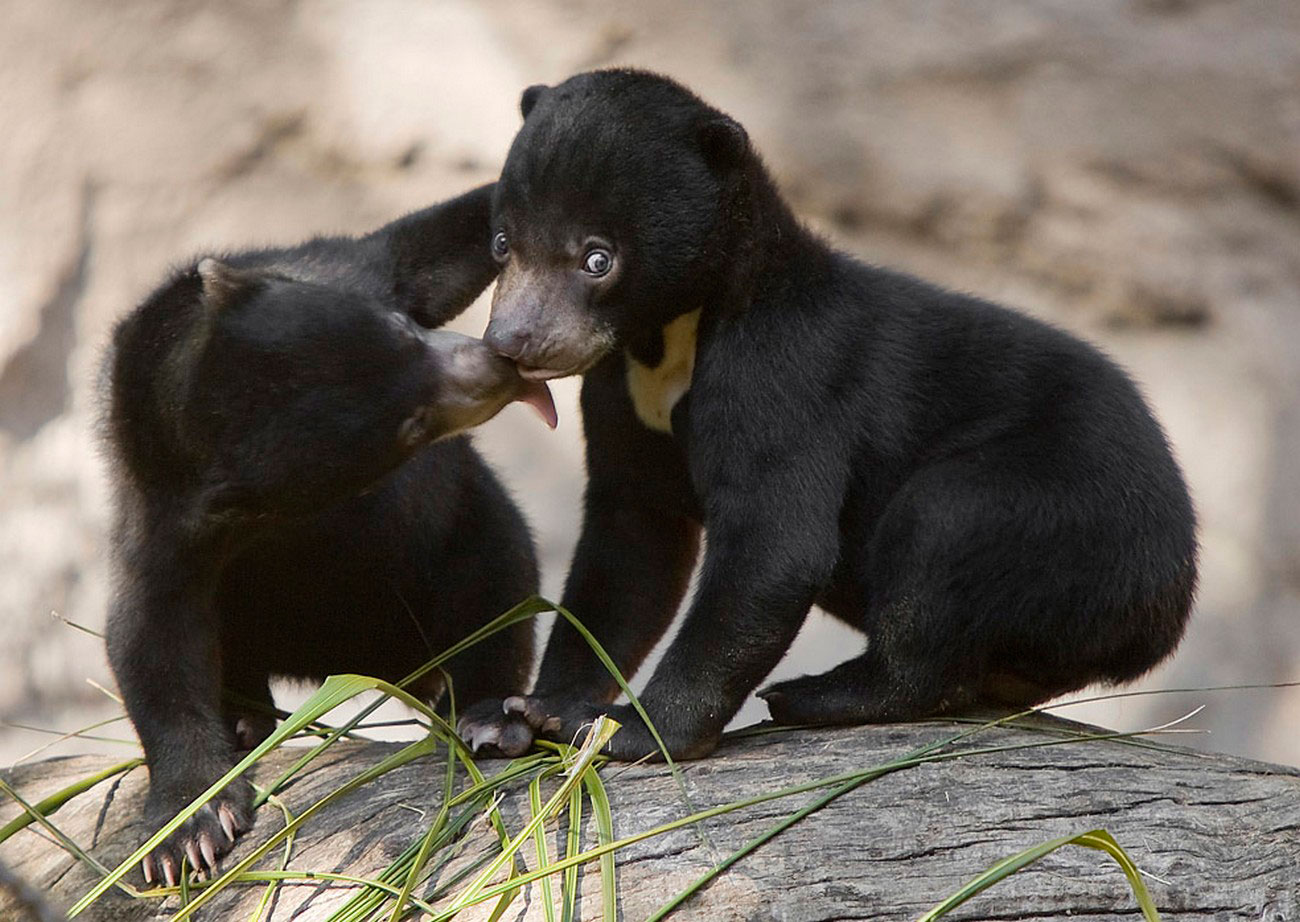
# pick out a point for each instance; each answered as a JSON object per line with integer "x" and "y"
{"x": 505, "y": 340}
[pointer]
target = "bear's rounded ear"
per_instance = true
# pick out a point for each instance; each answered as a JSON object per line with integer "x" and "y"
{"x": 221, "y": 283}
{"x": 724, "y": 142}
{"x": 530, "y": 97}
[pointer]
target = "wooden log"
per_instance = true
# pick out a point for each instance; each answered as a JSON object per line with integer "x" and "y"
{"x": 1217, "y": 837}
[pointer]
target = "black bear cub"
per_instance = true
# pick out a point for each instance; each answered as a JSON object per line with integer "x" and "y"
{"x": 260, "y": 408}
{"x": 985, "y": 497}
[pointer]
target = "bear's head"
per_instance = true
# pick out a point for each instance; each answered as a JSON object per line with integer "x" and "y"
{"x": 610, "y": 218}
{"x": 277, "y": 395}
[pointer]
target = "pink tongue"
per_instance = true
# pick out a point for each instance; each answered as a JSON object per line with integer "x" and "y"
{"x": 538, "y": 396}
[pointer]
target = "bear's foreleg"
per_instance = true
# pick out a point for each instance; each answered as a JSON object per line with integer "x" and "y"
{"x": 164, "y": 650}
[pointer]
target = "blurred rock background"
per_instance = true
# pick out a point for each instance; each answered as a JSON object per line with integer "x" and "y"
{"x": 1129, "y": 169}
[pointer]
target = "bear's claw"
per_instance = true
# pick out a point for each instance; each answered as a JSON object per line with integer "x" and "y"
{"x": 201, "y": 841}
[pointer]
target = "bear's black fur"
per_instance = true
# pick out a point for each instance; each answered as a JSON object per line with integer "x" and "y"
{"x": 259, "y": 410}
{"x": 986, "y": 497}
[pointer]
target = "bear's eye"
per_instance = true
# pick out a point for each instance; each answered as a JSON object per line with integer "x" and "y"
{"x": 597, "y": 262}
{"x": 500, "y": 246}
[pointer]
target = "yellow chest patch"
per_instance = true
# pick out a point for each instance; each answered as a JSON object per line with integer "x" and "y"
{"x": 655, "y": 391}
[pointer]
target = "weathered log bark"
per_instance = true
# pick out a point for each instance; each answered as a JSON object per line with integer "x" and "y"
{"x": 1218, "y": 837}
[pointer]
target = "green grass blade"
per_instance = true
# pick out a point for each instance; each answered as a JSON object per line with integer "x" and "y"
{"x": 435, "y": 828}
{"x": 333, "y": 692}
{"x": 539, "y": 842}
{"x": 1103, "y": 841}
{"x": 678, "y": 778}
{"x": 64, "y": 840}
{"x": 330, "y": 738}
{"x": 422, "y": 859}
{"x": 572, "y": 845}
{"x": 604, "y": 836}
{"x": 345, "y": 686}
{"x": 364, "y": 905}
{"x": 471, "y": 803}
{"x": 599, "y": 734}
{"x": 352, "y": 880}
{"x": 632, "y": 699}
{"x": 272, "y": 886}
{"x": 528, "y": 608}
{"x": 516, "y": 769}
{"x": 1096, "y": 838}
{"x": 536, "y": 605}
{"x": 415, "y": 750}
{"x": 59, "y": 737}
{"x": 798, "y": 815}
{"x": 816, "y": 805}
{"x": 905, "y": 762}
{"x": 51, "y": 804}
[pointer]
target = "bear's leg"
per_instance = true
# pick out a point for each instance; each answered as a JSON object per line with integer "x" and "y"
{"x": 491, "y": 670}
{"x": 630, "y": 570}
{"x": 1001, "y": 574}
{"x": 922, "y": 583}
{"x": 903, "y": 675}
{"x": 163, "y": 646}
{"x": 772, "y": 545}
{"x": 245, "y": 613}
{"x": 461, "y": 556}
{"x": 489, "y": 571}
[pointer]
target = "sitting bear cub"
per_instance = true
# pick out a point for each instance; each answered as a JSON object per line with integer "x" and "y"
{"x": 988, "y": 499}
{"x": 279, "y": 509}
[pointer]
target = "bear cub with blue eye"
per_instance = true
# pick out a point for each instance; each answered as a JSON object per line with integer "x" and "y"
{"x": 985, "y": 497}
{"x": 283, "y": 508}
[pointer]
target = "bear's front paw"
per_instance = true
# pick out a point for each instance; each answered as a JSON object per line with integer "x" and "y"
{"x": 635, "y": 741}
{"x": 488, "y": 727}
{"x": 202, "y": 839}
{"x": 558, "y": 718}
